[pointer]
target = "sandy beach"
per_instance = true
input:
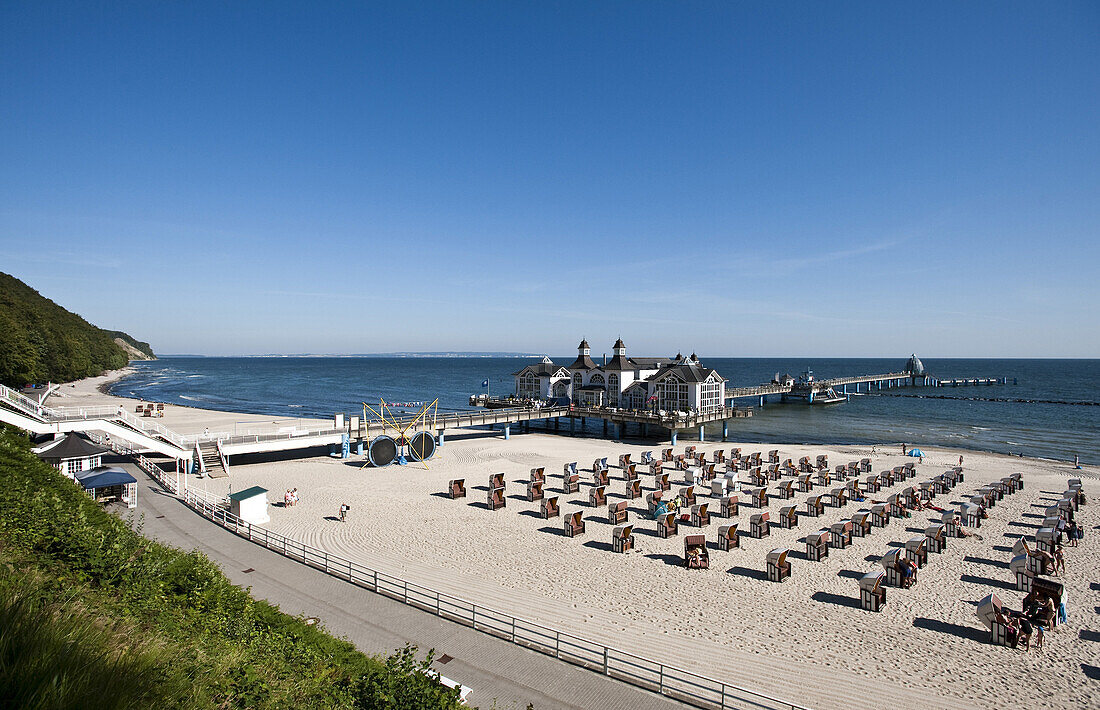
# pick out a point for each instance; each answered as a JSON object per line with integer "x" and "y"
{"x": 805, "y": 640}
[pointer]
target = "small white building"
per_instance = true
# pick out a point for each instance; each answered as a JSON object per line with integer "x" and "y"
{"x": 72, "y": 454}
{"x": 250, "y": 505}
{"x": 658, "y": 383}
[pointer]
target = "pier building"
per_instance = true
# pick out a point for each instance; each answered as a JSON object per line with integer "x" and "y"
{"x": 671, "y": 384}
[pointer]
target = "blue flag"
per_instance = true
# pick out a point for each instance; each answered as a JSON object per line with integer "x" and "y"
{"x": 485, "y": 383}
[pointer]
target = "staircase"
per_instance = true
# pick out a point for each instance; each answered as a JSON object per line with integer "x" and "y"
{"x": 211, "y": 462}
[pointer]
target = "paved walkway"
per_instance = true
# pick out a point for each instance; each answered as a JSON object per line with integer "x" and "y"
{"x": 496, "y": 670}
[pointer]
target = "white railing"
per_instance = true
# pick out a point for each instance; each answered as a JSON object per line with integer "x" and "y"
{"x": 24, "y": 404}
{"x": 170, "y": 484}
{"x": 685, "y": 686}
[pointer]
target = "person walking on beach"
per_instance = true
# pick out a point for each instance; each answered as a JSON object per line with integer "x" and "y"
{"x": 343, "y": 512}
{"x": 960, "y": 460}
{"x": 903, "y": 449}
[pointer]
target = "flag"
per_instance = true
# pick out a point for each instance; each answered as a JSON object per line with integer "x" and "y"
{"x": 485, "y": 383}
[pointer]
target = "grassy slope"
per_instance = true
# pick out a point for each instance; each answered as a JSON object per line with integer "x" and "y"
{"x": 90, "y": 609}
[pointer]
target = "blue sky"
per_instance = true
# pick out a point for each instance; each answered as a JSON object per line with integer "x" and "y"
{"x": 741, "y": 179}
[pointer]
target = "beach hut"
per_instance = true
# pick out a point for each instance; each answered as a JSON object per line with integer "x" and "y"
{"x": 666, "y": 525}
{"x": 779, "y": 567}
{"x": 840, "y": 472}
{"x": 891, "y": 564}
{"x": 600, "y": 477}
{"x": 622, "y": 538}
{"x": 895, "y": 504}
{"x": 865, "y": 465}
{"x": 950, "y": 520}
{"x": 840, "y": 534}
{"x": 1046, "y": 539}
{"x": 457, "y": 488}
{"x": 574, "y": 524}
{"x": 666, "y": 454}
{"x": 817, "y": 545}
{"x": 880, "y": 515}
{"x": 970, "y": 514}
{"x": 655, "y": 467}
{"x": 758, "y": 497}
{"x": 805, "y": 482}
{"x": 106, "y": 483}
{"x": 727, "y": 506}
{"x": 699, "y": 515}
{"x": 496, "y": 480}
{"x": 534, "y": 491}
{"x": 728, "y": 537}
{"x": 250, "y": 505}
{"x": 617, "y": 513}
{"x": 937, "y": 537}
{"x": 688, "y": 495}
{"x": 784, "y": 490}
{"x": 538, "y": 474}
{"x": 630, "y": 473}
{"x": 823, "y": 478}
{"x": 72, "y": 454}
{"x": 1023, "y": 575}
{"x": 838, "y": 497}
{"x": 773, "y": 456}
{"x": 597, "y": 497}
{"x": 652, "y": 500}
{"x": 990, "y": 613}
{"x": 660, "y": 482}
{"x": 822, "y": 462}
{"x": 624, "y": 460}
{"x": 916, "y": 550}
{"x": 814, "y": 506}
{"x": 719, "y": 456}
{"x": 633, "y": 489}
{"x": 495, "y": 499}
{"x": 720, "y": 487}
{"x": 571, "y": 483}
{"x": 788, "y": 516}
{"x": 549, "y": 507}
{"x": 871, "y": 484}
{"x": 861, "y": 523}
{"x": 872, "y": 591}
{"x": 569, "y": 469}
{"x": 1019, "y": 479}
{"x": 759, "y": 525}
{"x": 696, "y": 555}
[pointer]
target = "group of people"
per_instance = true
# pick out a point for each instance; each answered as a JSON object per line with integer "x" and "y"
{"x": 290, "y": 497}
{"x": 1036, "y": 616}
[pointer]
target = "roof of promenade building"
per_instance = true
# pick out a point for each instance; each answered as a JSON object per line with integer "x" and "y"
{"x": 72, "y": 447}
{"x": 687, "y": 371}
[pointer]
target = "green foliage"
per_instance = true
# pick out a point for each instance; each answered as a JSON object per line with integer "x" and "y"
{"x": 41, "y": 341}
{"x": 196, "y": 627}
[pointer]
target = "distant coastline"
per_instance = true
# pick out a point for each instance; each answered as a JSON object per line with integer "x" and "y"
{"x": 441, "y": 353}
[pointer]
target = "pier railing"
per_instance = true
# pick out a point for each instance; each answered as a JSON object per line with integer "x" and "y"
{"x": 685, "y": 686}
{"x": 24, "y": 404}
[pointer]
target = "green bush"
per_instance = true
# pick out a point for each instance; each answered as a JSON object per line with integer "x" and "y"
{"x": 234, "y": 651}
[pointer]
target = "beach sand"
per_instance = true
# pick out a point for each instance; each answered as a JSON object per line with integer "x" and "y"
{"x": 805, "y": 640}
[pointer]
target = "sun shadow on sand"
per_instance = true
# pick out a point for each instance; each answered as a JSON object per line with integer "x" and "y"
{"x": 919, "y": 531}
{"x": 1031, "y": 515}
{"x": 1089, "y": 635}
{"x": 986, "y": 561}
{"x": 974, "y": 579}
{"x": 750, "y": 573}
{"x": 1017, "y": 524}
{"x": 597, "y": 545}
{"x": 1091, "y": 672}
{"x": 1094, "y": 586}
{"x": 969, "y": 633}
{"x": 441, "y": 494}
{"x": 674, "y": 560}
{"x": 838, "y": 599}
{"x": 895, "y": 543}
{"x": 1002, "y": 548}
{"x": 531, "y": 513}
{"x": 478, "y": 504}
{"x": 333, "y": 518}
{"x": 850, "y": 574}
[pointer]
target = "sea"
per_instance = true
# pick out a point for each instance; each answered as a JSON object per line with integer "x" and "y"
{"x": 1049, "y": 408}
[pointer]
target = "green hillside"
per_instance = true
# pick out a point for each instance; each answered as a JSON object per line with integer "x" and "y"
{"x": 94, "y": 615}
{"x": 40, "y": 341}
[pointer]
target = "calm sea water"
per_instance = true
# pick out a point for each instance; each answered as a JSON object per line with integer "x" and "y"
{"x": 1046, "y": 427}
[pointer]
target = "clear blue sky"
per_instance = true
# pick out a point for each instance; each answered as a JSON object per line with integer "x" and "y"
{"x": 741, "y": 179}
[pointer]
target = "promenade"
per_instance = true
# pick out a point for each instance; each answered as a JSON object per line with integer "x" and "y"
{"x": 496, "y": 670}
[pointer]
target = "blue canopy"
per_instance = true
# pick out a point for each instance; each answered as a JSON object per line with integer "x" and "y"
{"x": 103, "y": 477}
{"x": 915, "y": 452}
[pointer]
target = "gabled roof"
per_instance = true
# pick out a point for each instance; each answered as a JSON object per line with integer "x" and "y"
{"x": 688, "y": 373}
{"x": 248, "y": 493}
{"x": 72, "y": 447}
{"x": 541, "y": 369}
{"x": 635, "y": 385}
